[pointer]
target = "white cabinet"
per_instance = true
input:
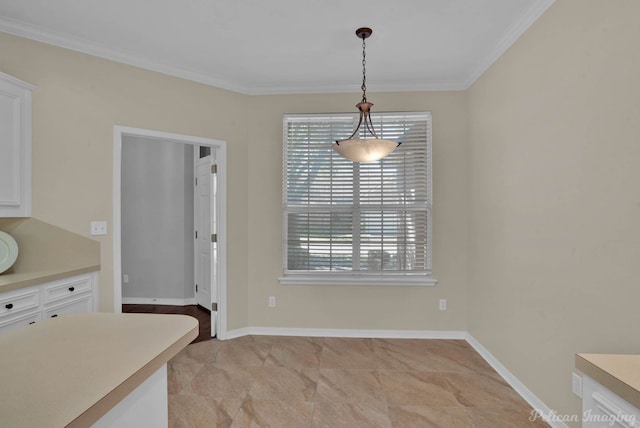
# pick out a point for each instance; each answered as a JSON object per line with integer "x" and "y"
{"x": 49, "y": 300}
{"x": 15, "y": 147}
{"x": 601, "y": 408}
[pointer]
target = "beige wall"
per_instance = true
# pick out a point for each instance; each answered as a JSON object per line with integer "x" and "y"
{"x": 359, "y": 307}
{"x": 78, "y": 100}
{"x": 555, "y": 196}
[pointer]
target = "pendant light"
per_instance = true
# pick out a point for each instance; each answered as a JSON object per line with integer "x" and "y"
{"x": 364, "y": 149}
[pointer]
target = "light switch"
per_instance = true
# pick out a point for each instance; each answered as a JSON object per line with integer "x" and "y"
{"x": 98, "y": 228}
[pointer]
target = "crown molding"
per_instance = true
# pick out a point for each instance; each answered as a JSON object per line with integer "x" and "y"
{"x": 66, "y": 41}
{"x": 355, "y": 88}
{"x": 512, "y": 34}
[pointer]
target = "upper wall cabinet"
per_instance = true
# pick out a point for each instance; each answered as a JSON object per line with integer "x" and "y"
{"x": 15, "y": 147}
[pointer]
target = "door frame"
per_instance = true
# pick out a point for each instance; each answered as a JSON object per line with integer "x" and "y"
{"x": 221, "y": 212}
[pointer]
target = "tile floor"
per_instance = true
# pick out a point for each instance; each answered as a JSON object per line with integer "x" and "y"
{"x": 297, "y": 382}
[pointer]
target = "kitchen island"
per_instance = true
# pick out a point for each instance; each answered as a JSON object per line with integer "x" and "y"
{"x": 78, "y": 370}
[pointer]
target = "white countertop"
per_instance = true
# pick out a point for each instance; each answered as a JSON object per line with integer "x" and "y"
{"x": 14, "y": 281}
{"x": 46, "y": 253}
{"x": 71, "y": 370}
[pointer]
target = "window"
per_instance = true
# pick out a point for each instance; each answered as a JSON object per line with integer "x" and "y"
{"x": 357, "y": 223}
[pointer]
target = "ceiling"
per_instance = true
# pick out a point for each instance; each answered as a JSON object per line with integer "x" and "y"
{"x": 286, "y": 46}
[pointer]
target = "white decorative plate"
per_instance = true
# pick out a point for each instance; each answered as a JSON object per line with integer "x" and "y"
{"x": 8, "y": 251}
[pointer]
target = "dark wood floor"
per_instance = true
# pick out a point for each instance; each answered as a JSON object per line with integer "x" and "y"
{"x": 202, "y": 315}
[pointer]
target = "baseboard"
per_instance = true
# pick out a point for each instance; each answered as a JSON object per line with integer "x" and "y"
{"x": 157, "y": 301}
{"x": 234, "y": 334}
{"x": 328, "y": 332}
{"x": 514, "y": 382}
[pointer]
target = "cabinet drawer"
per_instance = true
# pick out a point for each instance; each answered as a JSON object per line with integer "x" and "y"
{"x": 14, "y": 321}
{"x": 75, "y": 306}
{"x": 18, "y": 301}
{"x": 66, "y": 288}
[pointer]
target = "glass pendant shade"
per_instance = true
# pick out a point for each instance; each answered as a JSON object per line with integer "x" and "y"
{"x": 370, "y": 149}
{"x": 365, "y": 150}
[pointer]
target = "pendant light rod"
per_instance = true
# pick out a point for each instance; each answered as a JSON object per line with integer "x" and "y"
{"x": 363, "y": 106}
{"x": 364, "y": 33}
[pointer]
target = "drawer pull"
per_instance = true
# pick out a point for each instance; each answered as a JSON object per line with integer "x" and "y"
{"x": 9, "y": 305}
{"x": 32, "y": 322}
{"x": 54, "y": 315}
{"x": 71, "y": 288}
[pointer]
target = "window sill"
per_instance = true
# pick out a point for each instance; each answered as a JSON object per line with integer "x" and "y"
{"x": 396, "y": 281}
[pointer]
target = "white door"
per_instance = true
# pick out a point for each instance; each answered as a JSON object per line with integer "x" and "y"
{"x": 206, "y": 248}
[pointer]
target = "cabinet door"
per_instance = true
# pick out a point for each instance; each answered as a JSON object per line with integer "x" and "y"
{"x": 602, "y": 408}
{"x": 75, "y": 306}
{"x": 20, "y": 320}
{"x": 15, "y": 147}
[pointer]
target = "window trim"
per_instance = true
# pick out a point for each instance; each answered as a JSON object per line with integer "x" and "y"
{"x": 358, "y": 279}
{"x": 417, "y": 279}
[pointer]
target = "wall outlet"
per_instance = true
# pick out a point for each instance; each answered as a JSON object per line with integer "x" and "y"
{"x": 576, "y": 384}
{"x": 272, "y": 301}
{"x": 443, "y": 304}
{"x": 98, "y": 228}
{"x": 125, "y": 278}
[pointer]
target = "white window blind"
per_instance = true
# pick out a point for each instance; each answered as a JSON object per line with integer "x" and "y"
{"x": 357, "y": 222}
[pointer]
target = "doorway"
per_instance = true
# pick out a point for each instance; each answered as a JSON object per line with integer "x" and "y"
{"x": 209, "y": 211}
